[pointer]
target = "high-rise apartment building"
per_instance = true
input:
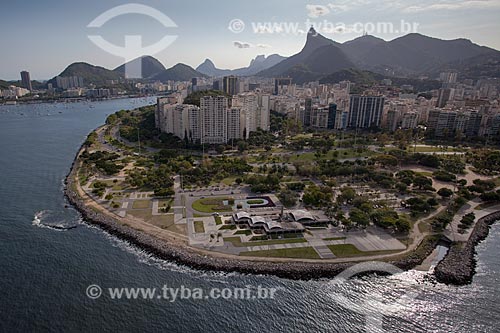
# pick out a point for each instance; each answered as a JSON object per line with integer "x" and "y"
{"x": 281, "y": 85}
{"x": 306, "y": 116}
{"x": 213, "y": 119}
{"x": 213, "y": 122}
{"x": 365, "y": 111}
{"x": 444, "y": 95}
{"x": 230, "y": 85}
{"x": 26, "y": 80}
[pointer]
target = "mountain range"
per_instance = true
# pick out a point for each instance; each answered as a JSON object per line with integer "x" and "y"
{"x": 261, "y": 62}
{"x": 152, "y": 70}
{"x": 411, "y": 55}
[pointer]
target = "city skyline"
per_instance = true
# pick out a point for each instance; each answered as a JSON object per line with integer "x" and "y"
{"x": 66, "y": 38}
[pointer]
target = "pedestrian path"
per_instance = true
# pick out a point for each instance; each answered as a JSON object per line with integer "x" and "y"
{"x": 324, "y": 252}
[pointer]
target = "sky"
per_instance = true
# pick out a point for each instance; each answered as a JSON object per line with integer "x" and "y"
{"x": 45, "y": 36}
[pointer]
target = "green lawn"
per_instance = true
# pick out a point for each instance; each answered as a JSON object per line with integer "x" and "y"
{"x": 141, "y": 204}
{"x": 342, "y": 153}
{"x": 165, "y": 202}
{"x": 243, "y": 232}
{"x": 118, "y": 186}
{"x": 301, "y": 253}
{"x": 229, "y": 181}
{"x": 434, "y": 149}
{"x": 345, "y": 250}
{"x": 199, "y": 227}
{"x": 255, "y": 202}
{"x": 228, "y": 227}
{"x": 218, "y": 220}
{"x": 349, "y": 250}
{"x": 210, "y": 205}
{"x": 236, "y": 241}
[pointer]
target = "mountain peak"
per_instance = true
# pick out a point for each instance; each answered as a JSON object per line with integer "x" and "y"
{"x": 316, "y": 40}
{"x": 208, "y": 62}
{"x": 150, "y": 66}
{"x": 178, "y": 72}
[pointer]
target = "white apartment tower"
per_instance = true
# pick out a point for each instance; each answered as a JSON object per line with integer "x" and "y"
{"x": 213, "y": 119}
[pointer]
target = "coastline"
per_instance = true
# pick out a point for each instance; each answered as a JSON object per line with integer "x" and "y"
{"x": 71, "y": 100}
{"x": 179, "y": 252}
{"x": 457, "y": 267}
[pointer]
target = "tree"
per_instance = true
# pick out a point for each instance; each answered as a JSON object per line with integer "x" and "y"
{"x": 288, "y": 198}
{"x": 490, "y": 197}
{"x": 348, "y": 194}
{"x": 359, "y": 217}
{"x": 219, "y": 149}
{"x": 317, "y": 196}
{"x": 422, "y": 182}
{"x": 445, "y": 192}
{"x": 430, "y": 161}
{"x": 417, "y": 206}
{"x": 403, "y": 225}
{"x": 242, "y": 146}
{"x": 387, "y": 160}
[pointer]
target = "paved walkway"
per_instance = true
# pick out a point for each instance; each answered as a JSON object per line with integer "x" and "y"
{"x": 452, "y": 229}
{"x": 324, "y": 252}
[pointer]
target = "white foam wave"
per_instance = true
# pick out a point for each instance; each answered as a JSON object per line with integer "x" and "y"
{"x": 41, "y": 218}
{"x": 151, "y": 260}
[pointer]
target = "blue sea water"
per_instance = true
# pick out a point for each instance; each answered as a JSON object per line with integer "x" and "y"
{"x": 44, "y": 273}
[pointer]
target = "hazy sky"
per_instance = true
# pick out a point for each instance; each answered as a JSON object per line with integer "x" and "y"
{"x": 44, "y": 37}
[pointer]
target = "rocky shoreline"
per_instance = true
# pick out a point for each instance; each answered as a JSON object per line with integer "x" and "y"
{"x": 459, "y": 265}
{"x": 185, "y": 255}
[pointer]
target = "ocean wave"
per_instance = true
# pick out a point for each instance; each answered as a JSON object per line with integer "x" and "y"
{"x": 47, "y": 219}
{"x": 149, "y": 259}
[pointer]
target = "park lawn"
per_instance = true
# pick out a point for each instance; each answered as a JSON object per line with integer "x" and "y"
{"x": 143, "y": 214}
{"x": 243, "y": 232}
{"x": 424, "y": 226}
{"x": 434, "y": 149}
{"x": 210, "y": 205}
{"x": 228, "y": 227}
{"x": 141, "y": 204}
{"x": 349, "y": 250}
{"x": 199, "y": 227}
{"x": 309, "y": 157}
{"x": 165, "y": 202}
{"x": 300, "y": 253}
{"x": 236, "y": 241}
{"x": 342, "y": 153}
{"x": 255, "y": 202}
{"x": 348, "y": 153}
{"x": 218, "y": 220}
{"x": 118, "y": 186}
{"x": 229, "y": 181}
